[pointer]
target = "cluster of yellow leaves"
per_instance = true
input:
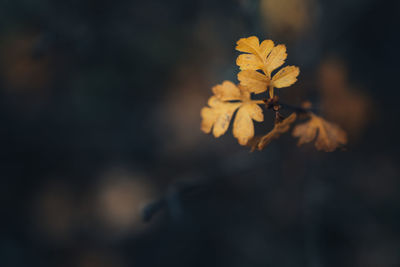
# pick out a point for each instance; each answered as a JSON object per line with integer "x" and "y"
{"x": 258, "y": 64}
{"x": 218, "y": 116}
{"x": 330, "y": 136}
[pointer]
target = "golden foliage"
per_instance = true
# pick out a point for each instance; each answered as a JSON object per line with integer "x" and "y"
{"x": 218, "y": 116}
{"x": 257, "y": 64}
{"x": 285, "y": 77}
{"x": 257, "y": 53}
{"x": 265, "y": 57}
{"x": 255, "y": 82}
{"x": 330, "y": 136}
{"x": 261, "y": 142}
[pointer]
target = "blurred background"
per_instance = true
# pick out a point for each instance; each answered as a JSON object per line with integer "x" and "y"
{"x": 100, "y": 113}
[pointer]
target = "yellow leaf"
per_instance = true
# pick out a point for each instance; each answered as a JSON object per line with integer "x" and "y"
{"x": 227, "y": 91}
{"x": 285, "y": 77}
{"x": 248, "y": 45}
{"x": 243, "y": 128}
{"x": 266, "y": 48}
{"x": 330, "y": 136}
{"x": 256, "y": 59}
{"x": 249, "y": 62}
{"x": 279, "y": 128}
{"x": 276, "y": 58}
{"x": 257, "y": 64}
{"x": 254, "y": 81}
{"x": 209, "y": 116}
{"x": 265, "y": 57}
{"x": 218, "y": 116}
{"x": 223, "y": 120}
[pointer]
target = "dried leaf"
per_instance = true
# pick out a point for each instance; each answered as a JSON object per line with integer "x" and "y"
{"x": 256, "y": 65}
{"x": 330, "y": 136}
{"x": 279, "y": 128}
{"x": 253, "y": 80}
{"x": 249, "y": 62}
{"x": 285, "y": 77}
{"x": 276, "y": 58}
{"x": 252, "y": 45}
{"x": 217, "y": 117}
{"x": 264, "y": 57}
{"x": 227, "y": 91}
{"x": 256, "y": 59}
{"x": 248, "y": 45}
{"x": 266, "y": 48}
{"x": 243, "y": 128}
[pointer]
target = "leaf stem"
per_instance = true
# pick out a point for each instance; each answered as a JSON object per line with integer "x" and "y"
{"x": 271, "y": 91}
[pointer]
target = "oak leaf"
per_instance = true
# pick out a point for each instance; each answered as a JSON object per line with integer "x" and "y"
{"x": 330, "y": 136}
{"x": 280, "y": 127}
{"x": 217, "y": 117}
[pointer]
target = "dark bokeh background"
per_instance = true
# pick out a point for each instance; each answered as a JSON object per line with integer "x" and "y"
{"x": 100, "y": 116}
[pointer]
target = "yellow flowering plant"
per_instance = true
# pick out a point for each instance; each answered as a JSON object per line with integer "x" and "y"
{"x": 257, "y": 64}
